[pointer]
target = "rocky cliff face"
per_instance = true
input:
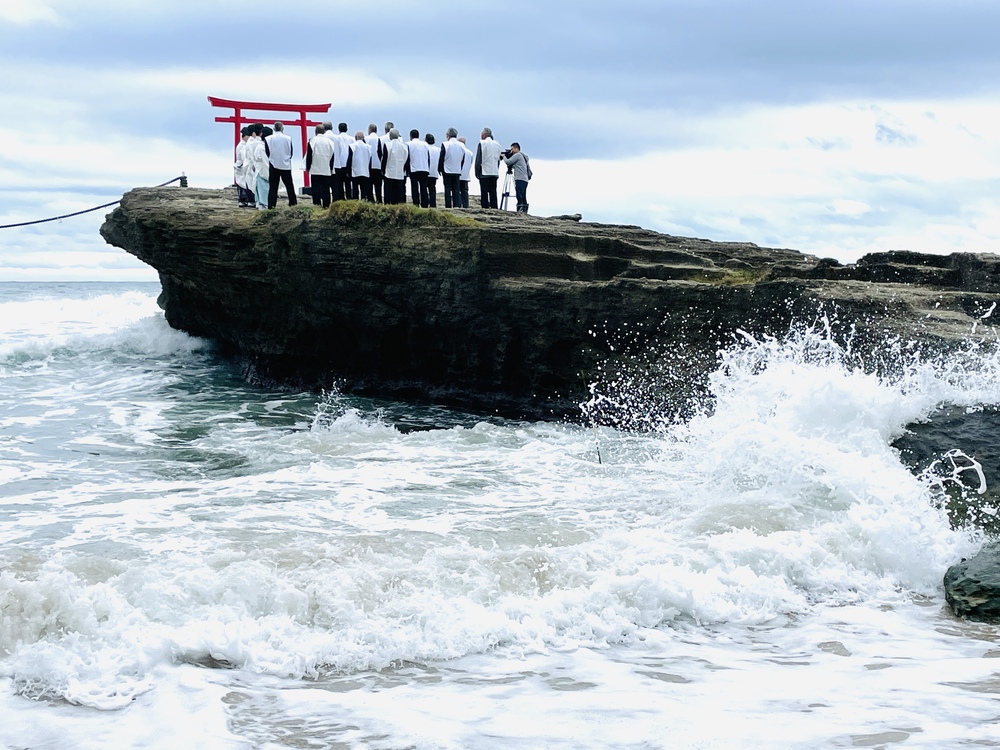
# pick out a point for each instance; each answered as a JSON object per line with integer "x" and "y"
{"x": 506, "y": 312}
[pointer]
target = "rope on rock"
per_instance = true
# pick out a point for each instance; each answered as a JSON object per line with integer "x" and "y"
{"x": 182, "y": 179}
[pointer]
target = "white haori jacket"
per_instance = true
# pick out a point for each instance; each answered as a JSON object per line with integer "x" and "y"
{"x": 435, "y": 157}
{"x": 385, "y": 145}
{"x": 250, "y": 175}
{"x": 320, "y": 156}
{"x": 279, "y": 150}
{"x": 375, "y": 146}
{"x": 488, "y": 158}
{"x": 240, "y": 167}
{"x": 361, "y": 159}
{"x": 420, "y": 157}
{"x": 396, "y": 156}
{"x": 341, "y": 149}
{"x": 467, "y": 165}
{"x": 332, "y": 137}
{"x": 258, "y": 154}
{"x": 452, "y": 156}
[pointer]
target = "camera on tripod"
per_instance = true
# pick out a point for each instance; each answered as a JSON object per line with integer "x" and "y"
{"x": 508, "y": 153}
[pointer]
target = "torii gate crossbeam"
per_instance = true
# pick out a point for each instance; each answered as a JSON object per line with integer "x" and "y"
{"x": 239, "y": 118}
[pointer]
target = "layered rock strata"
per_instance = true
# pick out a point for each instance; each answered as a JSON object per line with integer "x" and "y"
{"x": 511, "y": 313}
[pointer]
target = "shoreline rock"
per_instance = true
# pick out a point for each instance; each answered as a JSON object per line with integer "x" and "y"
{"x": 508, "y": 313}
{"x": 972, "y": 587}
{"x": 524, "y": 316}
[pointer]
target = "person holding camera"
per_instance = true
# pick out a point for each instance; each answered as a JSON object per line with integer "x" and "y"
{"x": 518, "y": 164}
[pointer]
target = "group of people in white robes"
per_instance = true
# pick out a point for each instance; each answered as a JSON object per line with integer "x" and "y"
{"x": 373, "y": 167}
{"x": 252, "y": 171}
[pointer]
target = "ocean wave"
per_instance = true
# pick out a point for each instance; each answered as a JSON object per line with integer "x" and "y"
{"x": 341, "y": 543}
{"x": 128, "y": 323}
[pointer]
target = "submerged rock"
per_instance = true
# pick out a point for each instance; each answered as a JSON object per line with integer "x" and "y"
{"x": 972, "y": 587}
{"x": 517, "y": 314}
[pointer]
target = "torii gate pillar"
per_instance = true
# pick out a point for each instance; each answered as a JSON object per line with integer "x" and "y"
{"x": 239, "y": 118}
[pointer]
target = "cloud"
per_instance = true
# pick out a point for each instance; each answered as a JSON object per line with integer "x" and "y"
{"x": 671, "y": 53}
{"x": 24, "y": 12}
{"x": 69, "y": 250}
{"x": 849, "y": 208}
{"x": 834, "y": 127}
{"x": 758, "y": 175}
{"x": 571, "y": 79}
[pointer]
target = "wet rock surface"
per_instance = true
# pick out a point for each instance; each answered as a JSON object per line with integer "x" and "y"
{"x": 515, "y": 314}
{"x": 957, "y": 451}
{"x": 972, "y": 587}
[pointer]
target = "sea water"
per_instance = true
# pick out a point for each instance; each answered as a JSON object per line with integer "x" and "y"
{"x": 187, "y": 561}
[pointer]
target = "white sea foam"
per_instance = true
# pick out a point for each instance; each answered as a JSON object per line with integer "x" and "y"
{"x": 129, "y": 321}
{"x": 603, "y": 587}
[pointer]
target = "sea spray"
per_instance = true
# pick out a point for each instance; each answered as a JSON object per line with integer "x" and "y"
{"x": 284, "y": 558}
{"x": 786, "y": 496}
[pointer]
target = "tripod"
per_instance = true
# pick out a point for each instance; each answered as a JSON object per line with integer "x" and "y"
{"x": 522, "y": 208}
{"x": 506, "y": 190}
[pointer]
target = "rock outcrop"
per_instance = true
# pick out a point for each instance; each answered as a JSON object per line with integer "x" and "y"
{"x": 506, "y": 312}
{"x": 972, "y": 587}
{"x": 956, "y": 450}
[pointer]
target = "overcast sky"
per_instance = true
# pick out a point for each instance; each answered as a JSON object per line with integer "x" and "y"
{"x": 836, "y": 128}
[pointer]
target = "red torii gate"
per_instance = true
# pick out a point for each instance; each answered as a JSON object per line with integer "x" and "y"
{"x": 239, "y": 119}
